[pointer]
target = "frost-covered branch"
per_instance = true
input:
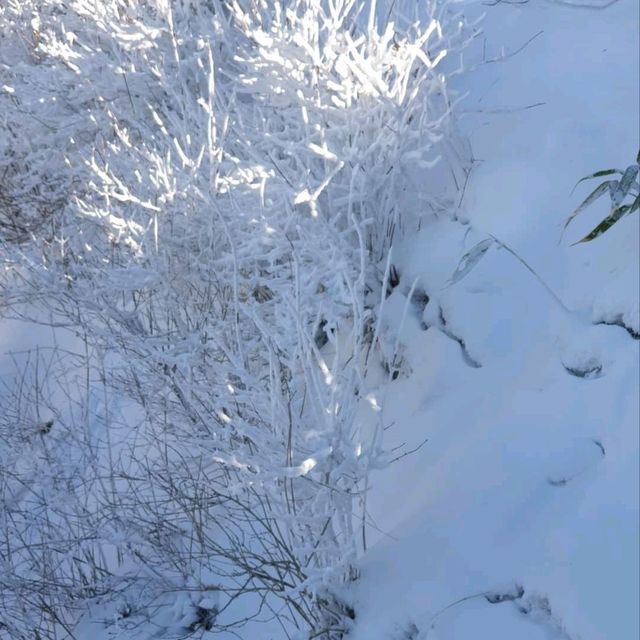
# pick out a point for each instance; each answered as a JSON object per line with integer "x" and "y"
{"x": 207, "y": 192}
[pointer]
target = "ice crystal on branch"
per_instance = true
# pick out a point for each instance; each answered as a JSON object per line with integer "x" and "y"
{"x": 198, "y": 188}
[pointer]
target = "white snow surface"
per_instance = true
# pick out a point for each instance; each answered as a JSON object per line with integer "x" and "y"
{"x": 527, "y": 485}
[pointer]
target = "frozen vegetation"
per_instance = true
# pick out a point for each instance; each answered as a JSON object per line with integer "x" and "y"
{"x": 294, "y": 341}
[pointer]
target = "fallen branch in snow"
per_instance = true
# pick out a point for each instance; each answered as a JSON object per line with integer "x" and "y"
{"x": 493, "y": 597}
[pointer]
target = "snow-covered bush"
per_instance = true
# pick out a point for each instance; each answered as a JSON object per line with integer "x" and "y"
{"x": 207, "y": 192}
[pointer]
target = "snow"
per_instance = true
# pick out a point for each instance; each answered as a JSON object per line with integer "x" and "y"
{"x": 529, "y": 476}
{"x": 516, "y": 513}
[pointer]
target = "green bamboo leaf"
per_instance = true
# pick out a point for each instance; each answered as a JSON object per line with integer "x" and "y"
{"x": 469, "y": 260}
{"x": 625, "y": 183}
{"x": 597, "y": 174}
{"x": 606, "y": 224}
{"x": 638, "y": 158}
{"x": 600, "y": 190}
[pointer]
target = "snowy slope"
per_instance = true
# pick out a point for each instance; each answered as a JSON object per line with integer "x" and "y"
{"x": 526, "y": 492}
{"x": 517, "y": 515}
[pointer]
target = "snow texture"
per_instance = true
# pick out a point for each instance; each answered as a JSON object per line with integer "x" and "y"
{"x": 462, "y": 381}
{"x": 528, "y": 482}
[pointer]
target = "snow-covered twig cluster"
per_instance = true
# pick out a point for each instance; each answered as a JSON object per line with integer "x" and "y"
{"x": 207, "y": 192}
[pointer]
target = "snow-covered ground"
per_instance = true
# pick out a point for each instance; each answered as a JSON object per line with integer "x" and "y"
{"x": 526, "y": 491}
{"x": 517, "y": 515}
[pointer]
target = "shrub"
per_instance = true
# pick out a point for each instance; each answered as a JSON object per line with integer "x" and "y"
{"x": 215, "y": 182}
